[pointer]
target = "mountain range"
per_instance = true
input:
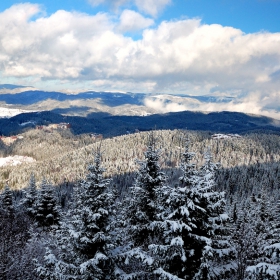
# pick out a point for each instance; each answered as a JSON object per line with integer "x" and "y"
{"x": 114, "y": 114}
{"x": 87, "y": 102}
{"x": 109, "y": 126}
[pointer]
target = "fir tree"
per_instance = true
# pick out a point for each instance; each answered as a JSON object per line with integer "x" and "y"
{"x": 265, "y": 263}
{"x": 91, "y": 223}
{"x": 245, "y": 242}
{"x": 84, "y": 239}
{"x": 217, "y": 251}
{"x": 179, "y": 253}
{"x": 142, "y": 215}
{"x": 31, "y": 197}
{"x": 14, "y": 232}
{"x": 47, "y": 211}
{"x": 7, "y": 200}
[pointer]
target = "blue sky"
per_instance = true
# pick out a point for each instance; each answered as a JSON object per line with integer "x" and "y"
{"x": 196, "y": 47}
{"x": 247, "y": 15}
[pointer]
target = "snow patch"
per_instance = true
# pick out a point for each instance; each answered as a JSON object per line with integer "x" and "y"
{"x": 15, "y": 160}
{"x": 26, "y": 123}
{"x": 9, "y": 112}
{"x": 226, "y": 136}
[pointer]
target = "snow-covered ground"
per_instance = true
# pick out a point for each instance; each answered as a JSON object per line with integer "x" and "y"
{"x": 8, "y": 113}
{"x": 15, "y": 160}
{"x": 225, "y": 136}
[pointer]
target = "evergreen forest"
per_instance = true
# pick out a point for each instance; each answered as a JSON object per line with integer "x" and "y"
{"x": 159, "y": 205}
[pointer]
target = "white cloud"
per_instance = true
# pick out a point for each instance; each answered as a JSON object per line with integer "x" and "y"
{"x": 252, "y": 104}
{"x": 181, "y": 56}
{"x": 150, "y": 7}
{"x": 160, "y": 105}
{"x": 131, "y": 21}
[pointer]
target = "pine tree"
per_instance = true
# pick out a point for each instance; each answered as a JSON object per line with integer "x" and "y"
{"x": 31, "y": 197}
{"x": 7, "y": 200}
{"x": 14, "y": 232}
{"x": 245, "y": 241}
{"x": 47, "y": 212}
{"x": 84, "y": 238}
{"x": 94, "y": 206}
{"x": 265, "y": 263}
{"x": 217, "y": 251}
{"x": 142, "y": 216}
{"x": 178, "y": 255}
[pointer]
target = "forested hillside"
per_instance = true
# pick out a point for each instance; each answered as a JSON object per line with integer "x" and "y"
{"x": 61, "y": 156}
{"x": 109, "y": 125}
{"x": 166, "y": 204}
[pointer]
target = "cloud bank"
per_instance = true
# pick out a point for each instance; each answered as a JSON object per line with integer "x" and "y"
{"x": 249, "y": 105}
{"x": 181, "y": 56}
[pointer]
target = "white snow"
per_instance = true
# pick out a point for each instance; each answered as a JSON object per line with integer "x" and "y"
{"x": 225, "y": 136}
{"x": 15, "y": 160}
{"x": 9, "y": 112}
{"x": 273, "y": 246}
{"x": 271, "y": 270}
{"x": 26, "y": 123}
{"x": 177, "y": 241}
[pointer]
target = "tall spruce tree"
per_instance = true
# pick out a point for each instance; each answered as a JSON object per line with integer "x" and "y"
{"x": 7, "y": 214}
{"x": 142, "y": 215}
{"x": 7, "y": 200}
{"x": 178, "y": 254}
{"x": 31, "y": 197}
{"x": 14, "y": 232}
{"x": 249, "y": 240}
{"x": 244, "y": 240}
{"x": 84, "y": 238}
{"x": 217, "y": 251}
{"x": 265, "y": 263}
{"x": 47, "y": 211}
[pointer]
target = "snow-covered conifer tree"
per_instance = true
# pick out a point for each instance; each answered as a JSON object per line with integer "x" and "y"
{"x": 244, "y": 240}
{"x": 14, "y": 233}
{"x": 179, "y": 252}
{"x": 31, "y": 197}
{"x": 142, "y": 215}
{"x": 7, "y": 200}
{"x": 47, "y": 211}
{"x": 90, "y": 233}
{"x": 217, "y": 252}
{"x": 265, "y": 263}
{"x": 84, "y": 238}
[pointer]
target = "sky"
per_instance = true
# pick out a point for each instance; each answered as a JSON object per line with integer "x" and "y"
{"x": 193, "y": 47}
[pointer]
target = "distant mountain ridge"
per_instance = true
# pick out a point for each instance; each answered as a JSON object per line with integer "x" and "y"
{"x": 11, "y": 86}
{"x": 85, "y": 103}
{"x": 216, "y": 122}
{"x": 109, "y": 98}
{"x": 34, "y": 96}
{"x": 115, "y": 113}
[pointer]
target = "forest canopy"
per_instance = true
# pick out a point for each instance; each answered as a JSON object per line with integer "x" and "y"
{"x": 150, "y": 205}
